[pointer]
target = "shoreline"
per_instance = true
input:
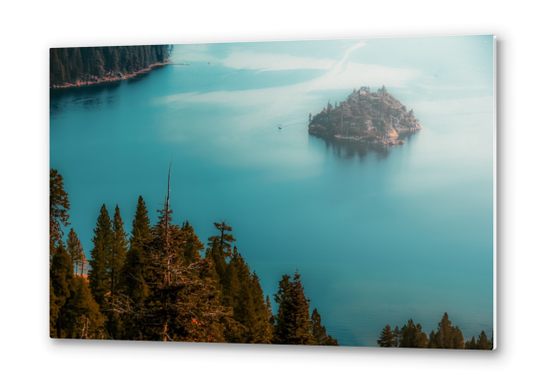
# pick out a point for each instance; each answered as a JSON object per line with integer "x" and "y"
{"x": 98, "y": 80}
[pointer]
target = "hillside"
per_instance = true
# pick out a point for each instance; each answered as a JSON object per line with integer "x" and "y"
{"x": 372, "y": 117}
{"x": 71, "y": 67}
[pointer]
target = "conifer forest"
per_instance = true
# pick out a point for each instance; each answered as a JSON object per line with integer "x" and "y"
{"x": 154, "y": 284}
{"x": 70, "y": 66}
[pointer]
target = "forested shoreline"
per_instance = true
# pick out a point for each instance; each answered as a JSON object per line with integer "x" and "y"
{"x": 155, "y": 284}
{"x": 90, "y": 65}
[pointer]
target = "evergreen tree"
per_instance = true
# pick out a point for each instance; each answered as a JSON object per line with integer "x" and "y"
{"x": 54, "y": 310}
{"x": 114, "y": 264}
{"x": 58, "y": 210}
{"x": 432, "y": 343}
{"x": 224, "y": 240}
{"x": 141, "y": 227}
{"x": 293, "y": 323}
{"x": 483, "y": 342}
{"x": 75, "y": 249}
{"x": 61, "y": 275}
{"x": 218, "y": 251}
{"x": 457, "y": 338}
{"x": 101, "y": 253}
{"x": 471, "y": 344}
{"x": 260, "y": 330}
{"x": 182, "y": 303}
{"x": 318, "y": 331}
{"x": 444, "y": 332}
{"x": 398, "y": 336}
{"x": 135, "y": 271}
{"x": 387, "y": 338}
{"x": 412, "y": 336}
{"x": 133, "y": 289}
{"x": 270, "y": 318}
{"x": 86, "y": 321}
{"x": 447, "y": 336}
{"x": 119, "y": 246}
{"x": 192, "y": 245}
{"x": 269, "y": 309}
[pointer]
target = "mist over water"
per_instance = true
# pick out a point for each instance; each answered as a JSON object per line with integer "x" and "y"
{"x": 378, "y": 236}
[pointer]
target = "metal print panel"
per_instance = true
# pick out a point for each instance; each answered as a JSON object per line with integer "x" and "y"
{"x": 325, "y": 193}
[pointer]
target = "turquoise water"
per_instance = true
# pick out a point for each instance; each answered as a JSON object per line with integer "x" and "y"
{"x": 378, "y": 237}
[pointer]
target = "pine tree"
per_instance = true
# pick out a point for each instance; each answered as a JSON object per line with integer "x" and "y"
{"x": 58, "y": 210}
{"x": 218, "y": 251}
{"x": 444, "y": 332}
{"x": 293, "y": 323}
{"x": 432, "y": 343}
{"x": 141, "y": 228}
{"x": 133, "y": 289}
{"x": 483, "y": 342}
{"x": 447, "y": 337}
{"x": 457, "y": 338}
{"x": 114, "y": 263}
{"x": 61, "y": 276}
{"x": 224, "y": 240}
{"x": 135, "y": 271}
{"x": 387, "y": 338}
{"x": 54, "y": 310}
{"x": 101, "y": 253}
{"x": 182, "y": 303}
{"x": 75, "y": 249}
{"x": 260, "y": 329}
{"x": 192, "y": 245}
{"x": 86, "y": 321}
{"x": 398, "y": 336}
{"x": 471, "y": 344}
{"x": 318, "y": 331}
{"x": 119, "y": 246}
{"x": 412, "y": 336}
{"x": 270, "y": 319}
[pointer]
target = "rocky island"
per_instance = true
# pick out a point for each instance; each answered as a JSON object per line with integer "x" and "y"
{"x": 375, "y": 118}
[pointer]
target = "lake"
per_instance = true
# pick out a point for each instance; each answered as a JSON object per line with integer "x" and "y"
{"x": 378, "y": 237}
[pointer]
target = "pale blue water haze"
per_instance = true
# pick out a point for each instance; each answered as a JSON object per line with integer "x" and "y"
{"x": 378, "y": 237}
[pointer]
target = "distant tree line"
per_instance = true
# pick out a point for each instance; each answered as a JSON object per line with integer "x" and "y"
{"x": 446, "y": 337}
{"x": 154, "y": 284}
{"x": 71, "y": 65}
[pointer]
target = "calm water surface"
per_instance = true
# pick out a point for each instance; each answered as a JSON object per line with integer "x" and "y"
{"x": 378, "y": 237}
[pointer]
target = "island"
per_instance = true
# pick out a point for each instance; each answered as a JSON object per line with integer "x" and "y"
{"x": 374, "y": 118}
